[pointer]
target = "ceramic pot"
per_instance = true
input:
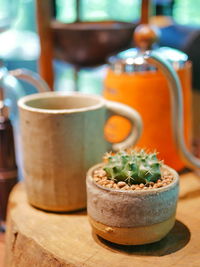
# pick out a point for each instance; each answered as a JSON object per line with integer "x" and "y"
{"x": 62, "y": 137}
{"x": 132, "y": 217}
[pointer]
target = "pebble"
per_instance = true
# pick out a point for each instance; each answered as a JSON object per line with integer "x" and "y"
{"x": 138, "y": 188}
{"x": 141, "y": 185}
{"x": 159, "y": 184}
{"x": 121, "y": 184}
{"x": 101, "y": 179}
{"x": 109, "y": 185}
{"x": 115, "y": 186}
{"x": 126, "y": 187}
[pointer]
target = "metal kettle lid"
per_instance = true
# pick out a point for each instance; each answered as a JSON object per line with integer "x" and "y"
{"x": 131, "y": 60}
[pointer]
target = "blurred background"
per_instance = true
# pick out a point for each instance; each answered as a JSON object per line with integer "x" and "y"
{"x": 88, "y": 46}
{"x": 20, "y": 44}
{"x": 65, "y": 61}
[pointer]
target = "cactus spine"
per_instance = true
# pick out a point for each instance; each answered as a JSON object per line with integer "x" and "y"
{"x": 135, "y": 167}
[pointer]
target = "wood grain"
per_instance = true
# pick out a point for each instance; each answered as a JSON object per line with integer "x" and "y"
{"x": 2, "y": 247}
{"x": 37, "y": 238}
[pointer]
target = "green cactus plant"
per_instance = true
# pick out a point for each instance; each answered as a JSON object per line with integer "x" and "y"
{"x": 135, "y": 167}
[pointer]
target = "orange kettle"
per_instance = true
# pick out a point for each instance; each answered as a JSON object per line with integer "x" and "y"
{"x": 133, "y": 80}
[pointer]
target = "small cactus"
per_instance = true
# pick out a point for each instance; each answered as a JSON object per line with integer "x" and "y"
{"x": 135, "y": 167}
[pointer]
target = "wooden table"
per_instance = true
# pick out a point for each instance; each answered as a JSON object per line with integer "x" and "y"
{"x": 37, "y": 238}
{"x": 2, "y": 246}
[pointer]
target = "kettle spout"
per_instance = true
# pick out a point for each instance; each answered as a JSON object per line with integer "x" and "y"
{"x": 176, "y": 98}
{"x": 32, "y": 78}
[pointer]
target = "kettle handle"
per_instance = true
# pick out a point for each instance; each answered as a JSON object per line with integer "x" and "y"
{"x": 176, "y": 97}
{"x": 32, "y": 78}
{"x": 116, "y": 108}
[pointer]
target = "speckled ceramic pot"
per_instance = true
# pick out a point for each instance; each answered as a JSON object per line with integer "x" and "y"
{"x": 132, "y": 217}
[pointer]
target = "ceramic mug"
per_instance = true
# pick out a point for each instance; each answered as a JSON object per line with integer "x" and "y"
{"x": 62, "y": 137}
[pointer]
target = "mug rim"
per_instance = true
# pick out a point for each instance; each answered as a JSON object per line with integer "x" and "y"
{"x": 22, "y": 102}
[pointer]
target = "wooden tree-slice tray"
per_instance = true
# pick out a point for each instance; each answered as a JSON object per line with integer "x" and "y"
{"x": 38, "y": 238}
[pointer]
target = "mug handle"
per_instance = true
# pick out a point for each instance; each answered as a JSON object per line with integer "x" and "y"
{"x": 32, "y": 78}
{"x": 115, "y": 108}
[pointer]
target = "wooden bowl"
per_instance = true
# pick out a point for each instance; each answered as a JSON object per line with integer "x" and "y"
{"x": 90, "y": 43}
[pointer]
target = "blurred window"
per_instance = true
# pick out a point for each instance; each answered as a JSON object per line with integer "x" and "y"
{"x": 186, "y": 12}
{"x": 95, "y": 10}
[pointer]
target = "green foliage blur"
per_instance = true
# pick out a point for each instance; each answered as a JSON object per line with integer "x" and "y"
{"x": 185, "y": 11}
{"x": 96, "y": 10}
